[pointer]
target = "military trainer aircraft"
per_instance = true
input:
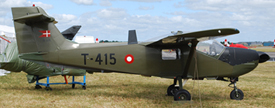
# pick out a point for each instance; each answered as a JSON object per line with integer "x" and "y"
{"x": 39, "y": 40}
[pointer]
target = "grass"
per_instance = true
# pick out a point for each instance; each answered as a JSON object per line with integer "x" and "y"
{"x": 125, "y": 90}
{"x": 264, "y": 49}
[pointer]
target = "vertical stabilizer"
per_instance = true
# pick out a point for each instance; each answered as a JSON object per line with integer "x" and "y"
{"x": 71, "y": 32}
{"x": 35, "y": 31}
{"x": 132, "y": 37}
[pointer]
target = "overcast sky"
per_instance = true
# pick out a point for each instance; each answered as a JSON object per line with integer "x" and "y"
{"x": 111, "y": 19}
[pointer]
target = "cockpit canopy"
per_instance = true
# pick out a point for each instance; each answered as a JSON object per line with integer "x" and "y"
{"x": 210, "y": 47}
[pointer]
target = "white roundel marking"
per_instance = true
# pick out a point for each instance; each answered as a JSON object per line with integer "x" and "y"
{"x": 129, "y": 58}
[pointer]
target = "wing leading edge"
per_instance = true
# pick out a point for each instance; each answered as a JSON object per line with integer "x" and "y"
{"x": 198, "y": 35}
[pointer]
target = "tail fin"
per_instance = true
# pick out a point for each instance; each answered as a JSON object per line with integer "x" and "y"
{"x": 132, "y": 37}
{"x": 35, "y": 31}
{"x": 70, "y": 32}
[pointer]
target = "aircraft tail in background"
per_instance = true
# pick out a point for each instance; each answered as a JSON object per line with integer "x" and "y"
{"x": 71, "y": 32}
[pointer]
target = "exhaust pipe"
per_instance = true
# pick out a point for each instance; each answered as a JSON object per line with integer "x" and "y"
{"x": 263, "y": 57}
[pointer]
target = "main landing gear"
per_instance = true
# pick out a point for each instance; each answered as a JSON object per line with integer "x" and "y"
{"x": 181, "y": 94}
{"x": 236, "y": 94}
{"x": 178, "y": 92}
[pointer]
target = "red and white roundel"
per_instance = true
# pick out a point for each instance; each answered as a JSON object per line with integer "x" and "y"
{"x": 129, "y": 59}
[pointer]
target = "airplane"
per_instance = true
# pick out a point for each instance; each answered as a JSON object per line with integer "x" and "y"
{"x": 10, "y": 61}
{"x": 71, "y": 32}
{"x": 39, "y": 40}
{"x": 234, "y": 45}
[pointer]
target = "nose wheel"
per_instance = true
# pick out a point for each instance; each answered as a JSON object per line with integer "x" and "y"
{"x": 236, "y": 94}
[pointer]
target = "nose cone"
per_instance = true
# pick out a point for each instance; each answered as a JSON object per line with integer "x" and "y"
{"x": 237, "y": 56}
{"x": 242, "y": 60}
{"x": 263, "y": 57}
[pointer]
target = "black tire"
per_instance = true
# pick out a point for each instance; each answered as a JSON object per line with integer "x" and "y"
{"x": 234, "y": 96}
{"x": 38, "y": 87}
{"x": 73, "y": 86}
{"x": 172, "y": 90}
{"x": 49, "y": 88}
{"x": 182, "y": 95}
{"x": 84, "y": 87}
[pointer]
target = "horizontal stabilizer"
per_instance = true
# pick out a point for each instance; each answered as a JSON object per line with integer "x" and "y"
{"x": 31, "y": 18}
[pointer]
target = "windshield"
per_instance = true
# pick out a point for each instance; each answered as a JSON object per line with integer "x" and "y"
{"x": 210, "y": 47}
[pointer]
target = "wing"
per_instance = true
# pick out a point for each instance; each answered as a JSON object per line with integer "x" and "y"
{"x": 199, "y": 35}
{"x": 183, "y": 39}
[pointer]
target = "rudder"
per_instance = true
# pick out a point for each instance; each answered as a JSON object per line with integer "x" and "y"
{"x": 35, "y": 30}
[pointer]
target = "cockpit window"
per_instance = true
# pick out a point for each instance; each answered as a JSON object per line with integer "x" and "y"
{"x": 210, "y": 47}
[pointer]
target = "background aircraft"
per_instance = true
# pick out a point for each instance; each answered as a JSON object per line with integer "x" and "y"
{"x": 71, "y": 32}
{"x": 39, "y": 40}
{"x": 234, "y": 45}
{"x": 10, "y": 61}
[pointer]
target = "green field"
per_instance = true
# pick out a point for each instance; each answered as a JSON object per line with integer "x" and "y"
{"x": 264, "y": 49}
{"x": 132, "y": 91}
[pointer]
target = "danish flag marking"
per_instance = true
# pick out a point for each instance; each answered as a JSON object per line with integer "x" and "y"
{"x": 45, "y": 33}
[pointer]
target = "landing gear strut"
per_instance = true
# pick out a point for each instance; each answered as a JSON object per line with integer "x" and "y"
{"x": 172, "y": 89}
{"x": 178, "y": 92}
{"x": 236, "y": 94}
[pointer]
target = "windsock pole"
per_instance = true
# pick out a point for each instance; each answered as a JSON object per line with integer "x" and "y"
{"x": 96, "y": 40}
{"x": 226, "y": 43}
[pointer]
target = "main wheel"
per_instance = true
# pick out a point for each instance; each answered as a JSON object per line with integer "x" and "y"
{"x": 182, "y": 95}
{"x": 49, "y": 88}
{"x": 233, "y": 94}
{"x": 84, "y": 87}
{"x": 73, "y": 86}
{"x": 171, "y": 90}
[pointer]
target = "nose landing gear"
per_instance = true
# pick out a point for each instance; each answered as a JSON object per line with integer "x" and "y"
{"x": 236, "y": 94}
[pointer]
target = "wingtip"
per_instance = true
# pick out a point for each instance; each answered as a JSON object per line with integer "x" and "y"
{"x": 237, "y": 30}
